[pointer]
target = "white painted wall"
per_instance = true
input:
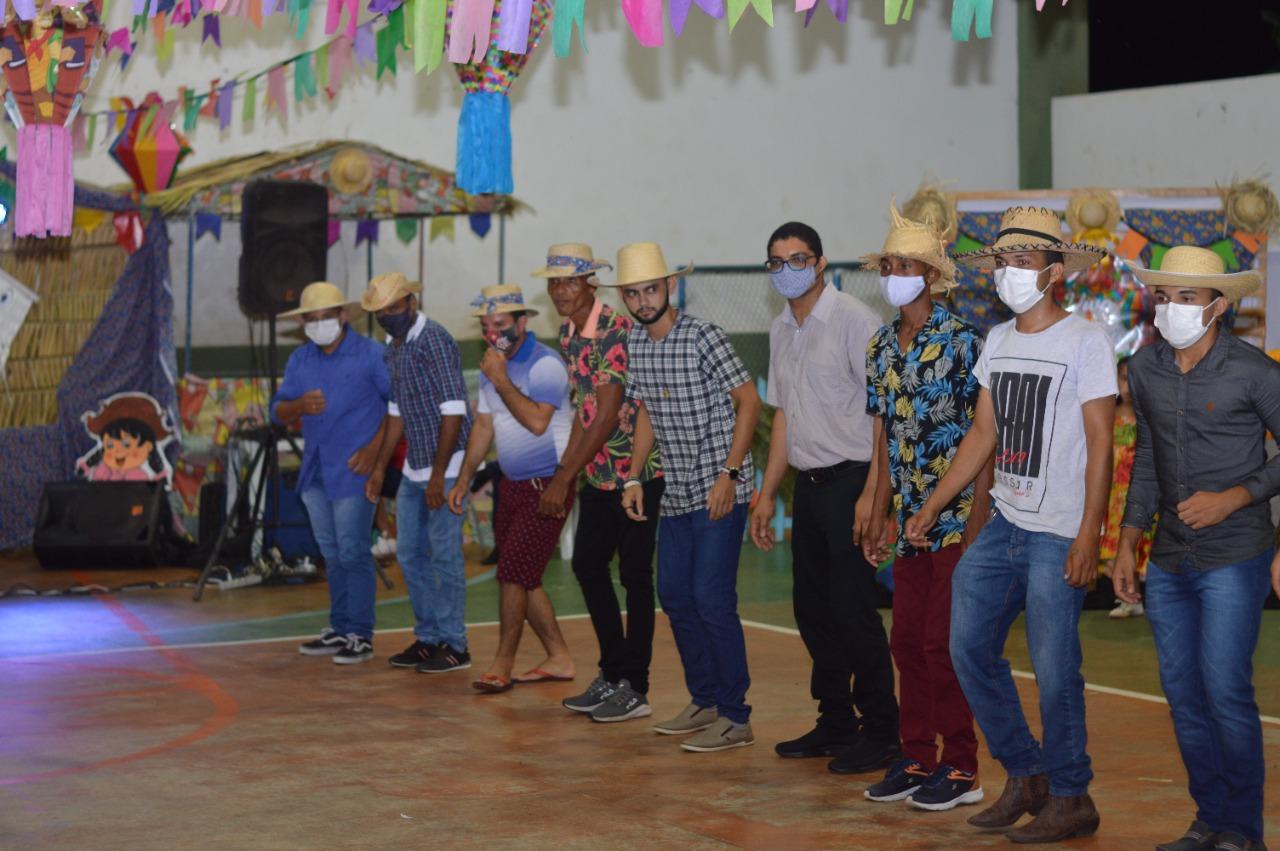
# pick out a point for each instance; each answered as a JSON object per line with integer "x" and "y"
{"x": 705, "y": 144}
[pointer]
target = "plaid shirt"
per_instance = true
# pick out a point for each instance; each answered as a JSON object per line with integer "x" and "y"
{"x": 684, "y": 380}
{"x": 426, "y": 372}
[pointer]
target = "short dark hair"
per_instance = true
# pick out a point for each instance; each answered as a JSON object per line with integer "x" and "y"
{"x": 800, "y": 231}
{"x": 516, "y": 314}
{"x": 1055, "y": 257}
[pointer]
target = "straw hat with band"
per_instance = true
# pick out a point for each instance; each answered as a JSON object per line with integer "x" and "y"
{"x": 1033, "y": 229}
{"x": 350, "y": 171}
{"x": 641, "y": 262}
{"x": 570, "y": 260}
{"x": 500, "y": 298}
{"x": 321, "y": 295}
{"x": 386, "y": 289}
{"x": 915, "y": 241}
{"x": 1192, "y": 266}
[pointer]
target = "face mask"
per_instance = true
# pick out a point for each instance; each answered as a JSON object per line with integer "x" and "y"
{"x": 1019, "y": 288}
{"x": 398, "y": 324}
{"x": 899, "y": 290}
{"x": 1182, "y": 324}
{"x": 666, "y": 303}
{"x": 323, "y": 332}
{"x": 506, "y": 340}
{"x": 792, "y": 284}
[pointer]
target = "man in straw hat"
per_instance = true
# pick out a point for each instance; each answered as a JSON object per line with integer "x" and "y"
{"x": 1204, "y": 402}
{"x": 1045, "y": 409}
{"x": 593, "y": 339}
{"x": 337, "y": 384}
{"x": 817, "y": 383}
{"x": 697, "y": 399}
{"x": 524, "y": 408}
{"x": 922, "y": 391}
{"x": 429, "y": 407}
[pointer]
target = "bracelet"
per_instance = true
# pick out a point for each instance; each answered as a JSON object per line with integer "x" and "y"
{"x": 631, "y": 483}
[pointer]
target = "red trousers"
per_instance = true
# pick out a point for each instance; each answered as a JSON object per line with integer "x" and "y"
{"x": 929, "y": 696}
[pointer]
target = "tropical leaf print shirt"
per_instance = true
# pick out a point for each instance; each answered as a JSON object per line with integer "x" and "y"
{"x": 926, "y": 397}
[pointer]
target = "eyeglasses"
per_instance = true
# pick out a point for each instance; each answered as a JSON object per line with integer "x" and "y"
{"x": 796, "y": 262}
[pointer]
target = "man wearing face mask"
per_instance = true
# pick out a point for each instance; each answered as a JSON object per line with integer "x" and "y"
{"x": 817, "y": 383}
{"x": 429, "y": 406}
{"x": 337, "y": 384}
{"x": 1046, "y": 410}
{"x": 922, "y": 390}
{"x": 1204, "y": 401}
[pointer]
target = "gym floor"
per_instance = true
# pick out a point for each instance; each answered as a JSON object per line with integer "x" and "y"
{"x": 142, "y": 719}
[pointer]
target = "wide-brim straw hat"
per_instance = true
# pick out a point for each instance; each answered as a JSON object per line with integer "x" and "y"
{"x": 321, "y": 295}
{"x": 351, "y": 172}
{"x": 1092, "y": 209}
{"x": 386, "y": 289}
{"x": 570, "y": 260}
{"x": 916, "y": 241}
{"x": 133, "y": 406}
{"x": 1033, "y": 229}
{"x": 501, "y": 298}
{"x": 1192, "y": 266}
{"x": 641, "y": 262}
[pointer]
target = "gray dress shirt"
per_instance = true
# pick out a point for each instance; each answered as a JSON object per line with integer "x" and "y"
{"x": 1204, "y": 431}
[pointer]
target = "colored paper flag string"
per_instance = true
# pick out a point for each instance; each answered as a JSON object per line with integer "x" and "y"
{"x": 567, "y": 15}
{"x": 966, "y": 13}
{"x": 645, "y": 19}
{"x": 895, "y": 10}
{"x": 764, "y": 8}
{"x": 469, "y": 30}
{"x": 513, "y": 24}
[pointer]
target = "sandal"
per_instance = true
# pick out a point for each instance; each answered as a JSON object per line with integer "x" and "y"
{"x": 492, "y": 684}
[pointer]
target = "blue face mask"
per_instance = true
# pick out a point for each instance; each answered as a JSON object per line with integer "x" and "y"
{"x": 398, "y": 324}
{"x": 791, "y": 283}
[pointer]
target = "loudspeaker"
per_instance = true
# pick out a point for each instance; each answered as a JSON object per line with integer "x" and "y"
{"x": 86, "y": 525}
{"x": 284, "y": 236}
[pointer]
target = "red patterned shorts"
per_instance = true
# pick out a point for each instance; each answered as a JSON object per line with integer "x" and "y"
{"x": 525, "y": 539}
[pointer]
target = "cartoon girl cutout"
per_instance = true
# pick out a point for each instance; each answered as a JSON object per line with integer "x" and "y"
{"x": 131, "y": 431}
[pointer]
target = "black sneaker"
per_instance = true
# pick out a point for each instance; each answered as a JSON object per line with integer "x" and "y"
{"x": 903, "y": 777}
{"x": 946, "y": 788}
{"x": 820, "y": 741}
{"x": 414, "y": 655}
{"x": 357, "y": 650}
{"x": 1229, "y": 840}
{"x": 1197, "y": 838}
{"x": 327, "y": 644}
{"x": 444, "y": 659}
{"x": 869, "y": 754}
{"x": 596, "y": 694}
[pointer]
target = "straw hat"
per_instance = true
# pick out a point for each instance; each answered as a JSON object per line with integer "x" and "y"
{"x": 1250, "y": 206}
{"x": 386, "y": 289}
{"x": 1192, "y": 266}
{"x": 933, "y": 206}
{"x": 321, "y": 295}
{"x": 135, "y": 406}
{"x": 916, "y": 241}
{"x": 640, "y": 262}
{"x": 500, "y": 298}
{"x": 1034, "y": 229}
{"x": 351, "y": 172}
{"x": 1092, "y": 210}
{"x": 569, "y": 260}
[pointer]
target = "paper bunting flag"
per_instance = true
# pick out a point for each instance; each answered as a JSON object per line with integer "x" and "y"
{"x": 1130, "y": 247}
{"x": 275, "y": 92}
{"x": 26, "y": 9}
{"x": 367, "y": 230}
{"x": 895, "y": 10}
{"x": 304, "y": 80}
{"x": 89, "y": 220}
{"x": 480, "y": 224}
{"x": 339, "y": 62}
{"x": 364, "y": 45}
{"x": 428, "y": 33}
{"x": 407, "y": 229}
{"x": 211, "y": 29}
{"x": 469, "y": 30}
{"x": 806, "y": 5}
{"x": 209, "y": 107}
{"x": 225, "y": 97}
{"x": 840, "y": 8}
{"x": 388, "y": 39}
{"x": 441, "y": 226}
{"x": 270, "y": 7}
{"x": 334, "y": 16}
{"x": 250, "y": 100}
{"x": 570, "y": 13}
{"x": 93, "y": 129}
{"x": 78, "y": 141}
{"x": 384, "y": 7}
{"x": 680, "y": 12}
{"x": 190, "y": 110}
{"x": 645, "y": 19}
{"x": 966, "y": 13}
{"x": 119, "y": 39}
{"x": 209, "y": 223}
{"x": 322, "y": 66}
{"x": 513, "y": 25}
{"x": 335, "y": 231}
{"x": 735, "y": 8}
{"x": 255, "y": 13}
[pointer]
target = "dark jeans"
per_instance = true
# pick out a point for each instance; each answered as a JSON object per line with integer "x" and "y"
{"x": 603, "y": 529}
{"x": 835, "y": 608}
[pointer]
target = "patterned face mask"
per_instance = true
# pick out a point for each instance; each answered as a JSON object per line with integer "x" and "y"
{"x": 792, "y": 283}
{"x": 397, "y": 324}
{"x": 505, "y": 340}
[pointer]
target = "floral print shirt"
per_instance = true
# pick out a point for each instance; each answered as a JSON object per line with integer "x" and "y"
{"x": 595, "y": 357}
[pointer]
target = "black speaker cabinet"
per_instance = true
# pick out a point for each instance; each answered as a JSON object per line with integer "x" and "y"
{"x": 84, "y": 525}
{"x": 284, "y": 236}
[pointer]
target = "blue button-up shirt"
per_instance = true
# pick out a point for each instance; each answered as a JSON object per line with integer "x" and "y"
{"x": 426, "y": 385}
{"x": 356, "y": 387}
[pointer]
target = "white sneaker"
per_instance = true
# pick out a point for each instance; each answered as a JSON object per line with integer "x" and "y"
{"x": 384, "y": 548}
{"x": 1127, "y": 610}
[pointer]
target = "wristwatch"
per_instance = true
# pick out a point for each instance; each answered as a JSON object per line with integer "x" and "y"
{"x": 733, "y": 473}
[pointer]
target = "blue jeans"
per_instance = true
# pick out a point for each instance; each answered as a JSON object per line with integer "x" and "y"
{"x": 1007, "y": 570}
{"x": 1206, "y": 628}
{"x": 697, "y": 587}
{"x": 342, "y": 528}
{"x": 429, "y": 549}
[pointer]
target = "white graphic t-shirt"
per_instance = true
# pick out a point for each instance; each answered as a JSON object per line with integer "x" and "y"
{"x": 1038, "y": 383}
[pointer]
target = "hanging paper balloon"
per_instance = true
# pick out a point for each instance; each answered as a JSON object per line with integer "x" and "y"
{"x": 48, "y": 63}
{"x": 149, "y": 148}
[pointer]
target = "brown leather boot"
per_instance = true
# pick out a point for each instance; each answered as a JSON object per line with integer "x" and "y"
{"x": 1061, "y": 818}
{"x": 1020, "y": 795}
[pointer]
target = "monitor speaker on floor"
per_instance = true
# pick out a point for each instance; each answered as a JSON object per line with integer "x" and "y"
{"x": 87, "y": 525}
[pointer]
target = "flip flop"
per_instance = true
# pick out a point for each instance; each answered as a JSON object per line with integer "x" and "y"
{"x": 492, "y": 684}
{"x": 537, "y": 675}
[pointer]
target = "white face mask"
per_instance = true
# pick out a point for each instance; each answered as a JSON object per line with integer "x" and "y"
{"x": 1019, "y": 288}
{"x": 323, "y": 332}
{"x": 1182, "y": 324}
{"x": 899, "y": 290}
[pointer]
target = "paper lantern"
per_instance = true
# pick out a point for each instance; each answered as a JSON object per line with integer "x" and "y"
{"x": 48, "y": 63}
{"x": 149, "y": 149}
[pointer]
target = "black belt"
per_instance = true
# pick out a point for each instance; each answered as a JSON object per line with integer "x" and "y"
{"x": 818, "y": 475}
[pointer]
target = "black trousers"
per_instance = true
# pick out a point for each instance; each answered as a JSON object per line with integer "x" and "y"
{"x": 603, "y": 529}
{"x": 835, "y": 608}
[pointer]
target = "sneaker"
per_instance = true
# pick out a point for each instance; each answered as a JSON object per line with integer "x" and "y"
{"x": 1127, "y": 610}
{"x": 357, "y": 650}
{"x": 1229, "y": 840}
{"x": 722, "y": 735}
{"x": 384, "y": 548}
{"x": 820, "y": 741}
{"x": 591, "y": 699}
{"x": 903, "y": 777}
{"x": 1197, "y": 838}
{"x": 624, "y": 704}
{"x": 445, "y": 659}
{"x": 414, "y": 655}
{"x": 327, "y": 644}
{"x": 946, "y": 788}
{"x": 690, "y": 720}
{"x": 869, "y": 754}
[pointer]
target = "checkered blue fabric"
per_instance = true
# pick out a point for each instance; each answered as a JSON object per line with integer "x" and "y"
{"x": 425, "y": 372}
